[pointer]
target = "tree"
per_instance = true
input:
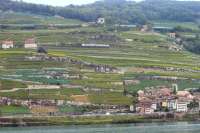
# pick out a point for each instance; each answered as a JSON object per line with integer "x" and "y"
{"x": 42, "y": 50}
{"x": 116, "y": 11}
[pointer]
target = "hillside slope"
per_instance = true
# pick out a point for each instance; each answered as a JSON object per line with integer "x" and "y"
{"x": 115, "y": 11}
{"x": 26, "y": 18}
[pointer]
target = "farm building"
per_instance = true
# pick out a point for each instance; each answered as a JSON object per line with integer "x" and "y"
{"x": 30, "y": 43}
{"x": 7, "y": 44}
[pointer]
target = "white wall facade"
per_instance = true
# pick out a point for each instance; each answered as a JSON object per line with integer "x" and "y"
{"x": 31, "y": 46}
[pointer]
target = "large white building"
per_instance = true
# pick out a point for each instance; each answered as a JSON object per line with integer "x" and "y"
{"x": 7, "y": 44}
{"x": 30, "y": 43}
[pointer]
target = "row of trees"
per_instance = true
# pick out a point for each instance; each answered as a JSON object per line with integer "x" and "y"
{"x": 193, "y": 44}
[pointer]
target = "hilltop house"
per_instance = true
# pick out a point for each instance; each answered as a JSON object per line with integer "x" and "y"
{"x": 101, "y": 21}
{"x": 30, "y": 43}
{"x": 7, "y": 44}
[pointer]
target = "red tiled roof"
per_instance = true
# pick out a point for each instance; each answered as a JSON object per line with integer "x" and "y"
{"x": 30, "y": 41}
{"x": 144, "y": 104}
{"x": 183, "y": 93}
{"x": 7, "y": 42}
{"x": 165, "y": 92}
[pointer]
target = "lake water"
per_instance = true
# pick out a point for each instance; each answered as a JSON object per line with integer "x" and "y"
{"x": 182, "y": 127}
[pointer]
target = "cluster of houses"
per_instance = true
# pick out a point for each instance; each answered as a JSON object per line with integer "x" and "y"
{"x": 165, "y": 99}
{"x": 29, "y": 43}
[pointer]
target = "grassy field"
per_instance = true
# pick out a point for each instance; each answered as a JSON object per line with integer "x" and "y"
{"x": 112, "y": 98}
{"x": 183, "y": 84}
{"x": 72, "y": 109}
{"x": 13, "y": 110}
{"x": 8, "y": 84}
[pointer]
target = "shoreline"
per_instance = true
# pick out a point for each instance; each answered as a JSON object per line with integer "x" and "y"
{"x": 89, "y": 120}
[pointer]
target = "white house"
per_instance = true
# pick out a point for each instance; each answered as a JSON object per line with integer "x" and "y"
{"x": 149, "y": 110}
{"x": 7, "y": 44}
{"x": 172, "y": 104}
{"x": 131, "y": 108}
{"x": 182, "y": 106}
{"x": 30, "y": 43}
{"x": 101, "y": 21}
{"x": 154, "y": 106}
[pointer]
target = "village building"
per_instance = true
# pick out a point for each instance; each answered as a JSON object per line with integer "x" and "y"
{"x": 149, "y": 110}
{"x": 60, "y": 102}
{"x": 185, "y": 94}
{"x": 101, "y": 20}
{"x": 7, "y": 44}
{"x": 145, "y": 107}
{"x": 154, "y": 106}
{"x": 172, "y": 35}
{"x": 165, "y": 99}
{"x": 131, "y": 108}
{"x": 172, "y": 104}
{"x": 144, "y": 28}
{"x": 30, "y": 43}
{"x": 182, "y": 106}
